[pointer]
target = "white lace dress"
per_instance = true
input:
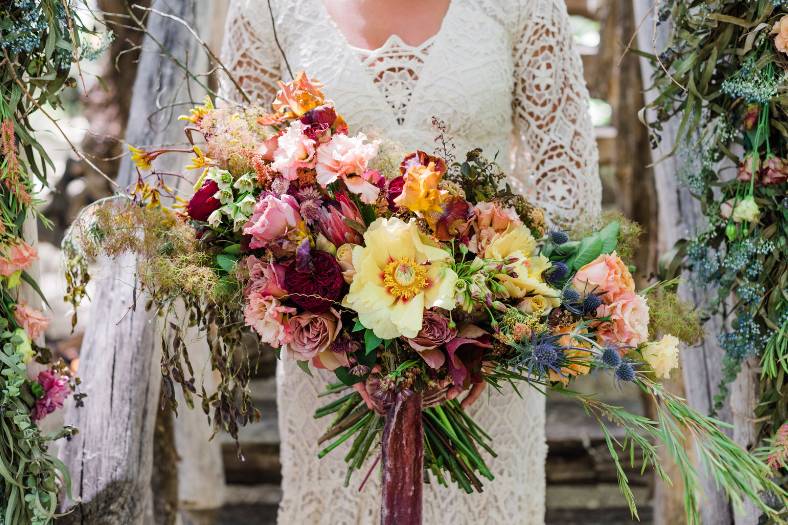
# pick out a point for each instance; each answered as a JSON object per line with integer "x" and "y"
{"x": 504, "y": 77}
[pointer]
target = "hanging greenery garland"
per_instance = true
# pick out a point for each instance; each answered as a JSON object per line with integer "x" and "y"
{"x": 39, "y": 42}
{"x": 723, "y": 76}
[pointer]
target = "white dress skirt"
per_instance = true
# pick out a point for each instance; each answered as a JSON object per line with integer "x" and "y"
{"x": 503, "y": 76}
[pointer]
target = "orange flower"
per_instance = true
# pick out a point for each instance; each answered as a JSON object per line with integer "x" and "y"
{"x": 298, "y": 96}
{"x": 420, "y": 192}
{"x": 31, "y": 320}
{"x": 780, "y": 30}
{"x": 16, "y": 257}
{"x": 578, "y": 360}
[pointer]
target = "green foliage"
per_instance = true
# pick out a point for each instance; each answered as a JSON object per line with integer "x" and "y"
{"x": 670, "y": 315}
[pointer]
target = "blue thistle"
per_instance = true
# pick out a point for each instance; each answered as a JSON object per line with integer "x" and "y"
{"x": 611, "y": 357}
{"x": 558, "y": 236}
{"x": 558, "y": 273}
{"x": 570, "y": 296}
{"x": 591, "y": 303}
{"x": 625, "y": 371}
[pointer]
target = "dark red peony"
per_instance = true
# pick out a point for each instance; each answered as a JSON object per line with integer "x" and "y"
{"x": 314, "y": 280}
{"x": 203, "y": 203}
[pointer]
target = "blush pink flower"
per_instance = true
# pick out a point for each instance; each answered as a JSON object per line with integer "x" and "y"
{"x": 265, "y": 278}
{"x": 268, "y": 148}
{"x": 435, "y": 332}
{"x": 56, "y": 391}
{"x": 628, "y": 325}
{"x": 312, "y": 334}
{"x": 606, "y": 275}
{"x": 295, "y": 150}
{"x": 31, "y": 320}
{"x": 347, "y": 158}
{"x": 272, "y": 218}
{"x": 268, "y": 317}
{"x": 490, "y": 219}
{"x": 17, "y": 257}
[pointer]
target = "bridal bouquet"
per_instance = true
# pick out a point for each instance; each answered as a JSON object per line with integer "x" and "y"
{"x": 414, "y": 278}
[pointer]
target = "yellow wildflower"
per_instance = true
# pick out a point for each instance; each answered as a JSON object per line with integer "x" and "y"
{"x": 141, "y": 158}
{"x": 198, "y": 112}
{"x": 200, "y": 160}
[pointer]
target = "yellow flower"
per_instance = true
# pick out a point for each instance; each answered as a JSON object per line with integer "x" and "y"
{"x": 662, "y": 356}
{"x": 141, "y": 158}
{"x": 421, "y": 194}
{"x": 198, "y": 112}
{"x": 578, "y": 361}
{"x": 746, "y": 211}
{"x": 517, "y": 240}
{"x": 397, "y": 276}
{"x": 200, "y": 160}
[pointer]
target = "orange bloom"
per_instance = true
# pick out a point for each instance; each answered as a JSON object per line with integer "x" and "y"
{"x": 578, "y": 360}
{"x": 606, "y": 275}
{"x": 31, "y": 320}
{"x": 780, "y": 30}
{"x": 298, "y": 96}
{"x": 420, "y": 192}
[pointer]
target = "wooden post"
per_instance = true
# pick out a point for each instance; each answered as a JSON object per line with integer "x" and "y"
{"x": 111, "y": 458}
{"x": 403, "y": 461}
{"x": 680, "y": 216}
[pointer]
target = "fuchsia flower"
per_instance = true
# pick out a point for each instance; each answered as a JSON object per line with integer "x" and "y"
{"x": 17, "y": 257}
{"x": 56, "y": 391}
{"x": 394, "y": 190}
{"x": 435, "y": 332}
{"x": 31, "y": 320}
{"x": 331, "y": 221}
{"x": 273, "y": 218}
{"x": 203, "y": 202}
{"x": 265, "y": 278}
{"x": 268, "y": 317}
{"x": 295, "y": 150}
{"x": 318, "y": 123}
{"x": 347, "y": 158}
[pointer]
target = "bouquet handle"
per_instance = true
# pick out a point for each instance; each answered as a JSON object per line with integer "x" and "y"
{"x": 403, "y": 461}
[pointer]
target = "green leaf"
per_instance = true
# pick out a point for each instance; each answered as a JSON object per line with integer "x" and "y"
{"x": 357, "y": 327}
{"x": 344, "y": 375}
{"x": 589, "y": 249}
{"x": 371, "y": 341}
{"x": 233, "y": 249}
{"x": 304, "y": 365}
{"x": 226, "y": 262}
{"x": 609, "y": 236}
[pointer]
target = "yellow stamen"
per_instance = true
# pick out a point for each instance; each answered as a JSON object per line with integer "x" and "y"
{"x": 404, "y": 278}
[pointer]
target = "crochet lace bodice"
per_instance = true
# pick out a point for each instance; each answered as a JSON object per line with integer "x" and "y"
{"x": 503, "y": 76}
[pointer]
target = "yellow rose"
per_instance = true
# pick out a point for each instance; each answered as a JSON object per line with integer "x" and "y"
{"x": 421, "y": 194}
{"x": 517, "y": 240}
{"x": 662, "y": 356}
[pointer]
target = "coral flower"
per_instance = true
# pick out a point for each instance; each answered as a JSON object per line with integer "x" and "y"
{"x": 780, "y": 30}
{"x": 299, "y": 96}
{"x": 420, "y": 193}
{"x": 628, "y": 325}
{"x": 398, "y": 275}
{"x": 606, "y": 275}
{"x": 17, "y": 257}
{"x": 33, "y": 321}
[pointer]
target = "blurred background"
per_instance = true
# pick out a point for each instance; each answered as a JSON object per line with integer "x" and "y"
{"x": 582, "y": 486}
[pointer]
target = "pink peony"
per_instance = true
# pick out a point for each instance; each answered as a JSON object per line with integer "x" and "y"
{"x": 435, "y": 332}
{"x": 312, "y": 334}
{"x": 295, "y": 150}
{"x": 56, "y": 390}
{"x": 628, "y": 325}
{"x": 331, "y": 220}
{"x": 265, "y": 278}
{"x": 606, "y": 275}
{"x": 17, "y": 257}
{"x": 272, "y": 218}
{"x": 268, "y": 317}
{"x": 347, "y": 158}
{"x": 489, "y": 220}
{"x": 33, "y": 321}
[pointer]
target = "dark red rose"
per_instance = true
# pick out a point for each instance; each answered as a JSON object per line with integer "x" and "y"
{"x": 394, "y": 190}
{"x": 452, "y": 220}
{"x": 203, "y": 204}
{"x": 420, "y": 158}
{"x": 314, "y": 284}
{"x": 466, "y": 354}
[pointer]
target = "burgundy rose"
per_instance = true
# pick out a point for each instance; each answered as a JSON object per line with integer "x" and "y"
{"x": 394, "y": 190}
{"x": 466, "y": 354}
{"x": 203, "y": 203}
{"x": 314, "y": 284}
{"x": 435, "y": 331}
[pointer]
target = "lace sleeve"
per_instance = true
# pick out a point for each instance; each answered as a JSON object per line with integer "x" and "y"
{"x": 555, "y": 158}
{"x": 250, "y": 53}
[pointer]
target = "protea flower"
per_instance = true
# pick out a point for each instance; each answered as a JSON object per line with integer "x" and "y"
{"x": 333, "y": 221}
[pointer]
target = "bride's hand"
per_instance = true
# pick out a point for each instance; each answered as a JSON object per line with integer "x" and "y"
{"x": 473, "y": 395}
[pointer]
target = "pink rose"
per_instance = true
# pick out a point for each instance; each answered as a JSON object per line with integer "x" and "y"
{"x": 606, "y": 275}
{"x": 266, "y": 278}
{"x": 272, "y": 219}
{"x": 18, "y": 257}
{"x": 628, "y": 325}
{"x": 268, "y": 317}
{"x": 489, "y": 220}
{"x": 347, "y": 158}
{"x": 294, "y": 151}
{"x": 56, "y": 390}
{"x": 312, "y": 334}
{"x": 31, "y": 320}
{"x": 435, "y": 332}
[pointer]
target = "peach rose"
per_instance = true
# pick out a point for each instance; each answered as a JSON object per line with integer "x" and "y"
{"x": 18, "y": 257}
{"x": 606, "y": 275}
{"x": 628, "y": 325}
{"x": 268, "y": 317}
{"x": 491, "y": 219}
{"x": 266, "y": 278}
{"x": 780, "y": 30}
{"x": 33, "y": 321}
